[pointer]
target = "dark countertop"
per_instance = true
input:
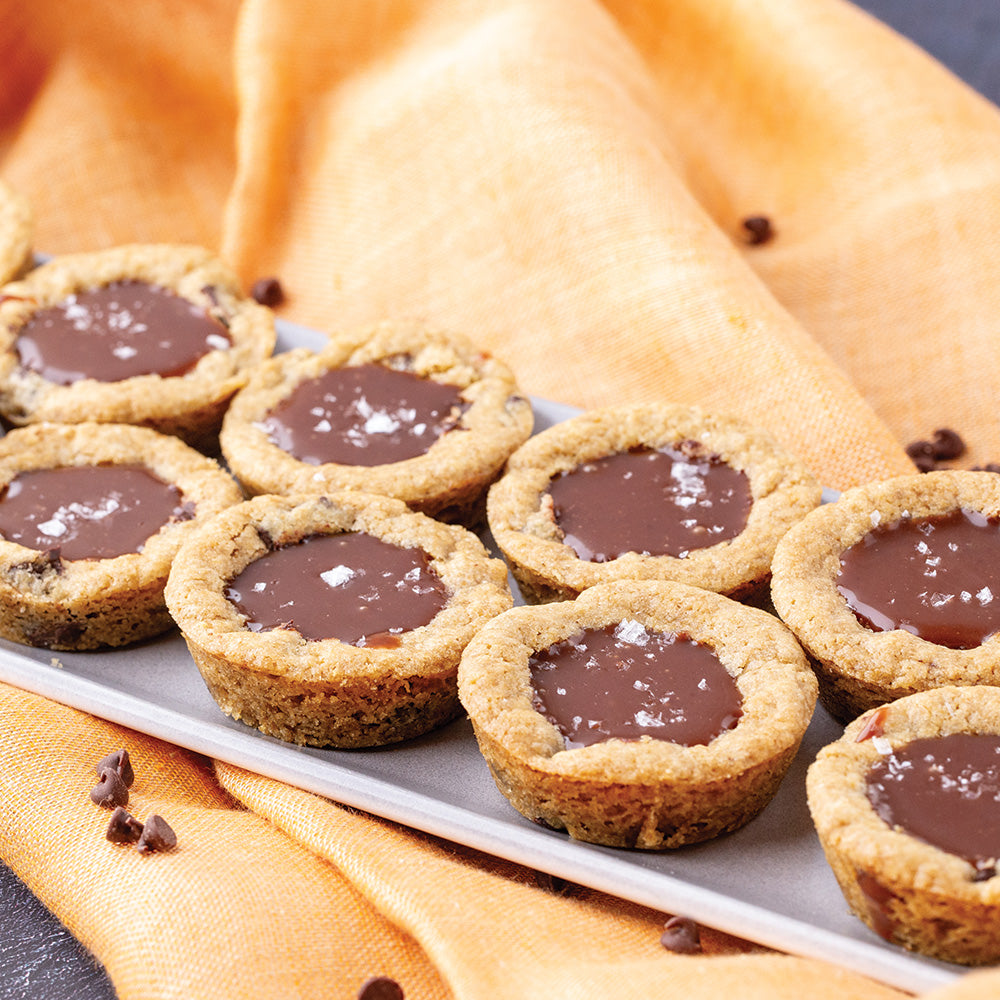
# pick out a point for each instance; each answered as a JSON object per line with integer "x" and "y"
{"x": 39, "y": 959}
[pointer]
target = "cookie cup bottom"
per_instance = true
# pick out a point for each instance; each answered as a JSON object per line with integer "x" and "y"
{"x": 326, "y": 692}
{"x": 906, "y": 890}
{"x": 643, "y": 793}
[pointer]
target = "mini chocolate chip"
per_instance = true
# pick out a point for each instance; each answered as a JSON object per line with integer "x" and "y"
{"x": 110, "y": 791}
{"x": 985, "y": 870}
{"x": 268, "y": 292}
{"x": 266, "y": 539}
{"x": 156, "y": 835}
{"x": 918, "y": 449}
{"x": 123, "y": 827}
{"x": 553, "y": 884}
{"x": 758, "y": 229}
{"x": 947, "y": 444}
{"x": 541, "y": 821}
{"x": 988, "y": 467}
{"x": 925, "y": 463}
{"x": 681, "y": 935}
{"x": 380, "y": 988}
{"x": 49, "y": 561}
{"x": 58, "y": 634}
{"x": 120, "y": 763}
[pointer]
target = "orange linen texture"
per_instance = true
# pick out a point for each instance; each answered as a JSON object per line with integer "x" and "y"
{"x": 565, "y": 181}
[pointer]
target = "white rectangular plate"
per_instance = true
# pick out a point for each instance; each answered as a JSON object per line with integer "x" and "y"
{"x": 768, "y": 882}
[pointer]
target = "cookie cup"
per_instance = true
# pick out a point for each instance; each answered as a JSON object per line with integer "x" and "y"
{"x": 908, "y": 891}
{"x": 189, "y": 406}
{"x": 17, "y": 227}
{"x": 643, "y": 793}
{"x": 81, "y": 604}
{"x": 448, "y": 481}
{"x": 521, "y": 518}
{"x": 327, "y": 692}
{"x": 859, "y": 668}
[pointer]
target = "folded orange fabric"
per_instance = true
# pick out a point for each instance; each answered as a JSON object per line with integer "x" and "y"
{"x": 566, "y": 182}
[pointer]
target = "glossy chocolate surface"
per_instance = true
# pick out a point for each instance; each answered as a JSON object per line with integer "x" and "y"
{"x": 936, "y": 577}
{"x": 625, "y": 682}
{"x": 663, "y": 502}
{"x": 352, "y": 587}
{"x": 118, "y": 331}
{"x": 88, "y": 511}
{"x": 944, "y": 790}
{"x": 363, "y": 415}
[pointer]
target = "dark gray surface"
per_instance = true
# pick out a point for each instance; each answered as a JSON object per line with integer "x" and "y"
{"x": 39, "y": 959}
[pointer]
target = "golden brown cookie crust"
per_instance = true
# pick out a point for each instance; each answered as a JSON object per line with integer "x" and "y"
{"x": 522, "y": 523}
{"x": 448, "y": 481}
{"x": 906, "y": 890}
{"x": 644, "y": 793}
{"x": 858, "y": 668}
{"x": 327, "y": 692}
{"x": 190, "y": 406}
{"x": 17, "y": 229}
{"x": 89, "y": 603}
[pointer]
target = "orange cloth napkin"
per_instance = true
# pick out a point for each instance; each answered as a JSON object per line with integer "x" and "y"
{"x": 565, "y": 181}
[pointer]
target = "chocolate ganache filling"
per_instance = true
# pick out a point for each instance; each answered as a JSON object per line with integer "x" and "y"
{"x": 88, "y": 511}
{"x": 352, "y": 587}
{"x": 363, "y": 415}
{"x": 623, "y": 682}
{"x": 662, "y": 502}
{"x": 118, "y": 331}
{"x": 944, "y": 790}
{"x": 936, "y": 577}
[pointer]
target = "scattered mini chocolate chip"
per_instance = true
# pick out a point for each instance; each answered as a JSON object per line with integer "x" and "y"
{"x": 268, "y": 292}
{"x": 120, "y": 763}
{"x": 758, "y": 229}
{"x": 923, "y": 455}
{"x": 553, "y": 883}
{"x": 380, "y": 988}
{"x": 920, "y": 449}
{"x": 988, "y": 467}
{"x": 157, "y": 835}
{"x": 947, "y": 444}
{"x": 123, "y": 827}
{"x": 681, "y": 935}
{"x": 110, "y": 791}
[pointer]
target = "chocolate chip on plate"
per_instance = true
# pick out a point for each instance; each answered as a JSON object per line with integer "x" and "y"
{"x": 268, "y": 292}
{"x": 758, "y": 229}
{"x": 110, "y": 791}
{"x": 380, "y": 988}
{"x": 120, "y": 763}
{"x": 681, "y": 935}
{"x": 123, "y": 827}
{"x": 157, "y": 835}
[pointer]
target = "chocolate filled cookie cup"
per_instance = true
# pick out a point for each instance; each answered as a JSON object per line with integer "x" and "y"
{"x": 424, "y": 416}
{"x": 17, "y": 227}
{"x": 155, "y": 335}
{"x": 642, "y": 714}
{"x": 907, "y": 808}
{"x": 647, "y": 492}
{"x": 895, "y": 588}
{"x": 91, "y": 516}
{"x": 333, "y": 620}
